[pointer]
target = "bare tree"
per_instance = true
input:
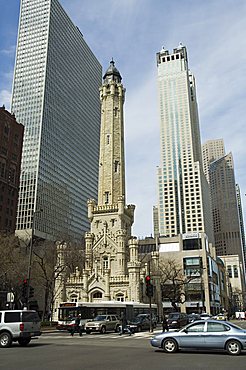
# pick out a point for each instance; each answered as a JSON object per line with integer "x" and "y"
{"x": 13, "y": 266}
{"x": 47, "y": 268}
{"x": 173, "y": 281}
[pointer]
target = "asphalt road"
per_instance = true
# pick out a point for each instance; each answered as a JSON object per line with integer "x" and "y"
{"x": 108, "y": 352}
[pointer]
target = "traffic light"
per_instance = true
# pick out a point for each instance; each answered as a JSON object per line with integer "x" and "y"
{"x": 147, "y": 280}
{"x": 149, "y": 286}
{"x": 24, "y": 290}
{"x": 31, "y": 291}
{"x": 150, "y": 290}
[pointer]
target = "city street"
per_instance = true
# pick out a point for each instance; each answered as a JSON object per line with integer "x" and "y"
{"x": 58, "y": 350}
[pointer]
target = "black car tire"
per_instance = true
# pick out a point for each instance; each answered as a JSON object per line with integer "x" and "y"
{"x": 5, "y": 339}
{"x": 23, "y": 342}
{"x": 233, "y": 347}
{"x": 170, "y": 345}
{"x": 103, "y": 330}
{"x": 88, "y": 331}
{"x": 117, "y": 329}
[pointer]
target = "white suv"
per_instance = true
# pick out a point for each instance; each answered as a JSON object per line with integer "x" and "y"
{"x": 18, "y": 326}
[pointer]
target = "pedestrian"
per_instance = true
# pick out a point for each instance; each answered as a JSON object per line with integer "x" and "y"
{"x": 164, "y": 324}
{"x": 77, "y": 327}
{"x": 124, "y": 328}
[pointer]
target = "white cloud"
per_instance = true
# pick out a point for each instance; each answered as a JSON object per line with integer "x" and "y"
{"x": 10, "y": 51}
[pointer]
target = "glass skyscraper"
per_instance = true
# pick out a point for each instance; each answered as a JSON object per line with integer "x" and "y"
{"x": 56, "y": 97}
{"x": 183, "y": 202}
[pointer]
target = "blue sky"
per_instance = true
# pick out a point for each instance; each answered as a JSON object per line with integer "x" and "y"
{"x": 132, "y": 31}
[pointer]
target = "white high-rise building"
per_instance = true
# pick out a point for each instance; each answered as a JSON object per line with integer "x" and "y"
{"x": 56, "y": 97}
{"x": 184, "y": 201}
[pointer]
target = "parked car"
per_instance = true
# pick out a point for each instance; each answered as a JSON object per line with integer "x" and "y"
{"x": 139, "y": 323}
{"x": 205, "y": 316}
{"x": 102, "y": 324}
{"x": 220, "y": 316}
{"x": 193, "y": 317}
{"x": 177, "y": 320}
{"x": 203, "y": 335}
{"x": 18, "y": 326}
{"x": 153, "y": 317}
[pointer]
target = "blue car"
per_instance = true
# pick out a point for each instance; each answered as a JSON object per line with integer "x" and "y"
{"x": 203, "y": 335}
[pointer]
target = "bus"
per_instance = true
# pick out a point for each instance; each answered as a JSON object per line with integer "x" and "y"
{"x": 68, "y": 311}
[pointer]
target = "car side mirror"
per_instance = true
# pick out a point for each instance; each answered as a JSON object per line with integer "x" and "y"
{"x": 185, "y": 331}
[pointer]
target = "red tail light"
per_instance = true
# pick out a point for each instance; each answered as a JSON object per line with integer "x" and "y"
{"x": 21, "y": 327}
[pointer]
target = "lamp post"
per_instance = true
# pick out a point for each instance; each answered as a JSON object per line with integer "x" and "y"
{"x": 30, "y": 257}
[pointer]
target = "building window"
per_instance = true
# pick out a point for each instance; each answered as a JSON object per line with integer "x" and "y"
{"x": 229, "y": 271}
{"x": 74, "y": 298}
{"x": 235, "y": 271}
{"x": 116, "y": 166}
{"x": 97, "y": 295}
{"x": 120, "y": 297}
{"x": 106, "y": 197}
{"x": 105, "y": 262}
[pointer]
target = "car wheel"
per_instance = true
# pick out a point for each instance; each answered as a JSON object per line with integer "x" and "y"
{"x": 88, "y": 331}
{"x": 233, "y": 347}
{"x": 5, "y": 340}
{"x": 117, "y": 329}
{"x": 103, "y": 330}
{"x": 24, "y": 341}
{"x": 170, "y": 345}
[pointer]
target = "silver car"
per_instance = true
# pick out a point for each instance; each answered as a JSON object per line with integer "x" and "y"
{"x": 204, "y": 335}
{"x": 102, "y": 324}
{"x": 18, "y": 326}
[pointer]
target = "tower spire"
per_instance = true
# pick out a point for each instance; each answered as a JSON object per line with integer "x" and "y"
{"x": 111, "y": 186}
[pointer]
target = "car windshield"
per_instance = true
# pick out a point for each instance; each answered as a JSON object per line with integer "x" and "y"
{"x": 100, "y": 318}
{"x": 173, "y": 316}
{"x": 137, "y": 319}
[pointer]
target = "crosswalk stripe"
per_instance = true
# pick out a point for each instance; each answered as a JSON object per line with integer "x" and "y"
{"x": 107, "y": 336}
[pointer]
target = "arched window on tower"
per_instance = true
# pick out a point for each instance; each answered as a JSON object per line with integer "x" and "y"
{"x": 105, "y": 262}
{"x": 97, "y": 295}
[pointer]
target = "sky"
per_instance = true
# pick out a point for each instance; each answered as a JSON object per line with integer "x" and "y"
{"x": 132, "y": 32}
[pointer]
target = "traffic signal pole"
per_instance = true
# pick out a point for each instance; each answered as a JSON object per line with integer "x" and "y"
{"x": 150, "y": 308}
{"x": 29, "y": 268}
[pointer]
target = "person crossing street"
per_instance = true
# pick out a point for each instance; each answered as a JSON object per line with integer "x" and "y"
{"x": 77, "y": 327}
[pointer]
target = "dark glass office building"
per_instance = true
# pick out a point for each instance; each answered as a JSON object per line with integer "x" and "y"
{"x": 56, "y": 96}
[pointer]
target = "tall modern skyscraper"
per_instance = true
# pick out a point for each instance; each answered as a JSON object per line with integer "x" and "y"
{"x": 184, "y": 202}
{"x": 211, "y": 150}
{"x": 226, "y": 221}
{"x": 56, "y": 97}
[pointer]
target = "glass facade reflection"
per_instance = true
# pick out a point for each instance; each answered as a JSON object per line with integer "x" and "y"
{"x": 56, "y": 97}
